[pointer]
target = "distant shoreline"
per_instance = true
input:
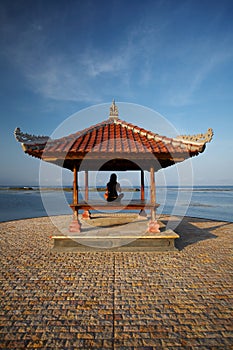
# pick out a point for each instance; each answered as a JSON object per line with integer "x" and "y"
{"x": 66, "y": 189}
{"x": 201, "y": 188}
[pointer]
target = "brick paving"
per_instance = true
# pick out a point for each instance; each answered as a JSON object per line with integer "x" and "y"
{"x": 113, "y": 300}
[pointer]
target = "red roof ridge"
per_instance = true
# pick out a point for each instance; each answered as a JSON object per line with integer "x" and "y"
{"x": 143, "y": 132}
{"x": 198, "y": 139}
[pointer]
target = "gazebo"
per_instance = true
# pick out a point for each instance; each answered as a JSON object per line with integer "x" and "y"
{"x": 114, "y": 145}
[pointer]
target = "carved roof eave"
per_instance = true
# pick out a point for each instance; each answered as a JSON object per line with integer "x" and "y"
{"x": 198, "y": 139}
{"x": 38, "y": 149}
{"x": 29, "y": 139}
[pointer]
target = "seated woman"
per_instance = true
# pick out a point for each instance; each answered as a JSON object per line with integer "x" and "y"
{"x": 113, "y": 187}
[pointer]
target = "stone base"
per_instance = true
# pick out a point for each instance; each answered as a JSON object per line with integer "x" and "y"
{"x": 153, "y": 227}
{"x": 75, "y": 226}
{"x": 86, "y": 215}
{"x": 162, "y": 241}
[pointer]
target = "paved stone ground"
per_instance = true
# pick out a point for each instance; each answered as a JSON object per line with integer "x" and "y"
{"x": 107, "y": 300}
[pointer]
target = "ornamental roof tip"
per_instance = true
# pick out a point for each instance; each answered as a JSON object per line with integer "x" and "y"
{"x": 28, "y": 138}
{"x": 113, "y": 111}
{"x": 198, "y": 138}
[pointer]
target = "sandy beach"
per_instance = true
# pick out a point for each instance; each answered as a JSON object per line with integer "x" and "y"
{"x": 112, "y": 300}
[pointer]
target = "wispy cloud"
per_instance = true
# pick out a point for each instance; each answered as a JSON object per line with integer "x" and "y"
{"x": 145, "y": 58}
{"x": 79, "y": 78}
{"x": 89, "y": 73}
{"x": 62, "y": 76}
{"x": 183, "y": 85}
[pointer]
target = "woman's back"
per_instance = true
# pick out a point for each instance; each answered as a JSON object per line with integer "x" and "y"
{"x": 112, "y": 191}
{"x": 113, "y": 187}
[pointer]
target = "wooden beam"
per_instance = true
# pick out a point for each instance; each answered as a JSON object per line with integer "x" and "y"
{"x": 112, "y": 155}
{"x": 121, "y": 205}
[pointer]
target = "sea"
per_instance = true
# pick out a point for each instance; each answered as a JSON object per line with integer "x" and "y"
{"x": 210, "y": 202}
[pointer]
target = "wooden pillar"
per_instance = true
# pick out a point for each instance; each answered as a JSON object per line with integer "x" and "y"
{"x": 86, "y": 185}
{"x": 142, "y": 211}
{"x": 153, "y": 225}
{"x": 75, "y": 185}
{"x": 86, "y": 214}
{"x": 152, "y": 192}
{"x": 75, "y": 226}
{"x": 142, "y": 186}
{"x": 152, "y": 185}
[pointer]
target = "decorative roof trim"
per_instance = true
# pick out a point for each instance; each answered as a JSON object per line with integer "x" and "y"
{"x": 198, "y": 138}
{"x": 28, "y": 138}
{"x": 148, "y": 134}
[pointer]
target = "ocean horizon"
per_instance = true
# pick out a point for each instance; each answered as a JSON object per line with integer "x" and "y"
{"x": 210, "y": 202}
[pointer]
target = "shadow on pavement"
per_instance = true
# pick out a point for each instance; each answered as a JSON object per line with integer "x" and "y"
{"x": 193, "y": 230}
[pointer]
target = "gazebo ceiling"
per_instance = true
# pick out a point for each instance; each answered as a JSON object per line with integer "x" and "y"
{"x": 113, "y": 145}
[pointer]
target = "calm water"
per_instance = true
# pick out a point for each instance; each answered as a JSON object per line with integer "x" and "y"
{"x": 205, "y": 202}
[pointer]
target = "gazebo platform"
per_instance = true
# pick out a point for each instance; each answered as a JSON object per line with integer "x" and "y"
{"x": 116, "y": 232}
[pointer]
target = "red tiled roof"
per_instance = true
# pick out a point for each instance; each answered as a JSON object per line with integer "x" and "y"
{"x": 113, "y": 137}
{"x": 116, "y": 136}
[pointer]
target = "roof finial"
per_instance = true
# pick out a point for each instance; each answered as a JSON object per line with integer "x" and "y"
{"x": 113, "y": 111}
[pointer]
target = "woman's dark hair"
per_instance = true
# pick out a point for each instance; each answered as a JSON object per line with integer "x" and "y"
{"x": 113, "y": 178}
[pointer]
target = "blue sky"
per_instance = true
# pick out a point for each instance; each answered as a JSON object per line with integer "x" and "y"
{"x": 59, "y": 57}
